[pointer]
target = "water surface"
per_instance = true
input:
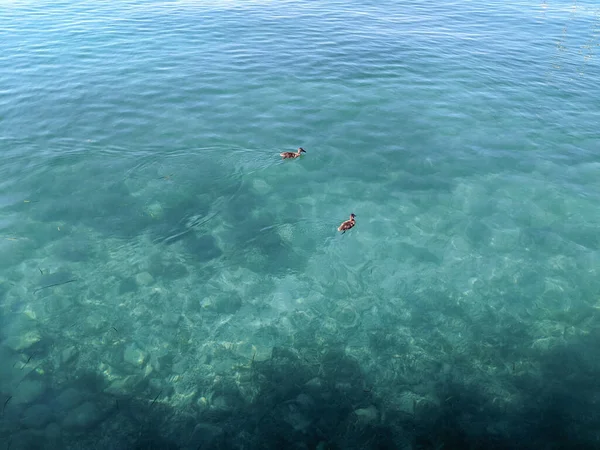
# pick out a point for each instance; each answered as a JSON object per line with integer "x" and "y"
{"x": 162, "y": 269}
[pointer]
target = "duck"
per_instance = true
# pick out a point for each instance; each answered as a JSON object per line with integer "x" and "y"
{"x": 346, "y": 225}
{"x": 292, "y": 155}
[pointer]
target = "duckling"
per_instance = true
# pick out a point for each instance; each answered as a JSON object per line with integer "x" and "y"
{"x": 292, "y": 155}
{"x": 346, "y": 225}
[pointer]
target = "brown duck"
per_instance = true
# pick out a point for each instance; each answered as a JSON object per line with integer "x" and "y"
{"x": 346, "y": 225}
{"x": 292, "y": 155}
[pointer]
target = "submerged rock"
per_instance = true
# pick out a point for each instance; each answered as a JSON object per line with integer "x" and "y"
{"x": 36, "y": 416}
{"x": 68, "y": 399}
{"x": 21, "y": 333}
{"x": 128, "y": 285}
{"x": 121, "y": 386}
{"x": 83, "y": 417}
{"x": 204, "y": 248}
{"x": 28, "y": 391}
{"x": 155, "y": 210}
{"x": 68, "y": 355}
{"x": 171, "y": 319}
{"x": 144, "y": 279}
{"x": 52, "y": 432}
{"x": 261, "y": 187}
{"x": 134, "y": 355}
{"x": 367, "y": 416}
{"x": 204, "y": 435}
{"x": 314, "y": 383}
{"x": 295, "y": 417}
{"x": 20, "y": 342}
{"x": 227, "y": 303}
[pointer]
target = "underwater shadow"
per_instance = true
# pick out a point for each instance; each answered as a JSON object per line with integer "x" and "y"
{"x": 303, "y": 403}
{"x": 556, "y": 407}
{"x": 299, "y": 399}
{"x": 562, "y": 410}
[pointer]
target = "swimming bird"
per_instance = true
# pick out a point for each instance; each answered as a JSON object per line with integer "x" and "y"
{"x": 292, "y": 155}
{"x": 346, "y": 225}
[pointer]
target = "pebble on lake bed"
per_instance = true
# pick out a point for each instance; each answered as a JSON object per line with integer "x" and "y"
{"x": 82, "y": 417}
{"x": 144, "y": 279}
{"x": 36, "y": 416}
{"x": 367, "y": 415}
{"x": 134, "y": 355}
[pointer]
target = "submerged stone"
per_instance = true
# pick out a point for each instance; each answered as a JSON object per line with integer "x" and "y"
{"x": 166, "y": 268}
{"x": 204, "y": 248}
{"x": 204, "y": 435}
{"x": 225, "y": 304}
{"x": 75, "y": 249}
{"x": 84, "y": 416}
{"x": 121, "y": 386}
{"x": 28, "y": 391}
{"x": 155, "y": 210}
{"x": 68, "y": 399}
{"x": 134, "y": 355}
{"x": 23, "y": 341}
{"x": 128, "y": 285}
{"x": 261, "y": 187}
{"x": 68, "y": 355}
{"x": 171, "y": 319}
{"x": 52, "y": 432}
{"x": 36, "y": 416}
{"x": 144, "y": 279}
{"x": 22, "y": 333}
{"x": 367, "y": 415}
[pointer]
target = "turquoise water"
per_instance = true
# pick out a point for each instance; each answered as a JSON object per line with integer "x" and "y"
{"x": 167, "y": 281}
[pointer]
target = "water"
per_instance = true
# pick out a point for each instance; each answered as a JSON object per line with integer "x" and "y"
{"x": 167, "y": 281}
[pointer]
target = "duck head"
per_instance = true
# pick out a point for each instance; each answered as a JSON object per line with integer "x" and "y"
{"x": 301, "y": 150}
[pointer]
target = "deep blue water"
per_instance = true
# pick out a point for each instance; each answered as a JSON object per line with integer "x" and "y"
{"x": 165, "y": 277}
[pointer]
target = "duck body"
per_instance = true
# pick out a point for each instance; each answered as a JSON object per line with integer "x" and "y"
{"x": 292, "y": 155}
{"x": 346, "y": 225}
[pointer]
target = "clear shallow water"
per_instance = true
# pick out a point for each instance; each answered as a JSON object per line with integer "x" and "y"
{"x": 140, "y": 158}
